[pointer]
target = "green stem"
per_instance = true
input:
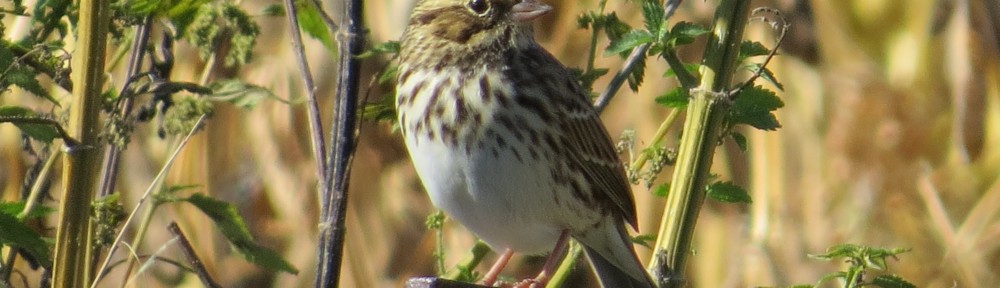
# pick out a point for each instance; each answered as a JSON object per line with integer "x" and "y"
{"x": 479, "y": 251}
{"x": 657, "y": 138}
{"x": 566, "y": 266}
{"x": 702, "y": 128}
{"x": 73, "y": 252}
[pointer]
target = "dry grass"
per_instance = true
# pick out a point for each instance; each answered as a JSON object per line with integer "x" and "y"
{"x": 891, "y": 137}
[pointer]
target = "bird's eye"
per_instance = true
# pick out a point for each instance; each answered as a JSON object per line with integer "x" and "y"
{"x": 480, "y": 7}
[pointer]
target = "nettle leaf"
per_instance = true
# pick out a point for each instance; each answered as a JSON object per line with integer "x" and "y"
{"x": 840, "y": 250}
{"x": 15, "y": 234}
{"x": 627, "y": 42}
{"x": 752, "y": 48}
{"x": 637, "y": 73}
{"x": 753, "y": 107}
{"x": 690, "y": 67}
{"x": 740, "y": 139}
{"x": 684, "y": 33}
{"x": 728, "y": 192}
{"x": 312, "y": 23}
{"x": 891, "y": 281}
{"x": 15, "y": 208}
{"x": 676, "y": 98}
{"x": 239, "y": 93}
{"x": 652, "y": 15}
{"x": 766, "y": 74}
{"x": 12, "y": 73}
{"x": 41, "y": 132}
{"x": 232, "y": 226}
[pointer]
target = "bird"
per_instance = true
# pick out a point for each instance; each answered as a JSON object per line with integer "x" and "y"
{"x": 505, "y": 140}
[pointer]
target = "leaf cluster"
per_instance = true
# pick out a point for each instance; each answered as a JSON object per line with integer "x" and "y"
{"x": 862, "y": 260}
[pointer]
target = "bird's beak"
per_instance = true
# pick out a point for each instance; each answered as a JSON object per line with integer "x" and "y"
{"x": 529, "y": 10}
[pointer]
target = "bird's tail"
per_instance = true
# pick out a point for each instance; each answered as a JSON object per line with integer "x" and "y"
{"x": 612, "y": 256}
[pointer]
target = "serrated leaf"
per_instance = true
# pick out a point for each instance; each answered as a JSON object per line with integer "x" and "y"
{"x": 311, "y": 22}
{"x": 753, "y": 107}
{"x": 752, "y": 48}
{"x": 676, "y": 98}
{"x": 637, "y": 73}
{"x": 741, "y": 140}
{"x": 685, "y": 32}
{"x": 728, "y": 192}
{"x": 891, "y": 281}
{"x": 840, "y": 250}
{"x": 766, "y": 74}
{"x": 239, "y": 93}
{"x": 652, "y": 15}
{"x": 231, "y": 224}
{"x": 628, "y": 41}
{"x": 41, "y": 132}
{"x": 15, "y": 234}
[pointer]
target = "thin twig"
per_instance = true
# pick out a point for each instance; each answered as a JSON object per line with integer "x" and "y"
{"x": 192, "y": 257}
{"x": 333, "y": 203}
{"x": 760, "y": 70}
{"x": 145, "y": 195}
{"x": 312, "y": 105}
{"x": 110, "y": 174}
{"x": 669, "y": 7}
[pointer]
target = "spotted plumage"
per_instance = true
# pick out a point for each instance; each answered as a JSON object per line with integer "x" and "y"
{"x": 505, "y": 140}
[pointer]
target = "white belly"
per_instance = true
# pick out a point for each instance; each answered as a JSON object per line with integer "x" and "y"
{"x": 504, "y": 201}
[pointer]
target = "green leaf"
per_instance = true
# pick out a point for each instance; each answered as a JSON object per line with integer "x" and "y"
{"x": 676, "y": 98}
{"x": 752, "y": 48}
{"x": 41, "y": 132}
{"x": 184, "y": 12}
{"x": 15, "y": 234}
{"x": 661, "y": 190}
{"x": 239, "y": 93}
{"x": 691, "y": 68}
{"x": 388, "y": 47}
{"x": 311, "y": 22}
{"x": 628, "y": 41}
{"x": 274, "y": 10}
{"x": 766, "y": 74}
{"x": 728, "y": 192}
{"x": 684, "y": 33}
{"x": 891, "y": 281}
{"x": 753, "y": 107}
{"x": 652, "y": 15}
{"x": 741, "y": 140}
{"x": 15, "y": 208}
{"x": 637, "y": 73}
{"x": 236, "y": 232}
{"x": 644, "y": 240}
{"x": 839, "y": 250}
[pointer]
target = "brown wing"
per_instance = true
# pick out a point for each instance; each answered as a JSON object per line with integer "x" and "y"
{"x": 593, "y": 151}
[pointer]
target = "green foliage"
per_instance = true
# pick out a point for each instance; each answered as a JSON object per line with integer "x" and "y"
{"x": 862, "y": 260}
{"x": 41, "y": 132}
{"x": 243, "y": 95}
{"x": 311, "y": 22}
{"x": 754, "y": 106}
{"x": 218, "y": 23}
{"x": 728, "y": 192}
{"x": 15, "y": 208}
{"x": 15, "y": 233}
{"x": 107, "y": 214}
{"x": 15, "y": 73}
{"x": 384, "y": 48}
{"x": 676, "y": 98}
{"x": 232, "y": 226}
{"x": 184, "y": 114}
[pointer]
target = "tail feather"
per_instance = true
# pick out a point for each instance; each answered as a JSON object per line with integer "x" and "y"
{"x": 612, "y": 256}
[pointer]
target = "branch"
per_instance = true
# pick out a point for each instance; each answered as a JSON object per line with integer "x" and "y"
{"x": 333, "y": 202}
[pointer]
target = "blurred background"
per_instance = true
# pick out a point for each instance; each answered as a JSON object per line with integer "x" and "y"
{"x": 890, "y": 138}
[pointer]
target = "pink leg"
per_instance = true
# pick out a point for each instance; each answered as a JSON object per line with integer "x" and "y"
{"x": 551, "y": 263}
{"x": 491, "y": 276}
